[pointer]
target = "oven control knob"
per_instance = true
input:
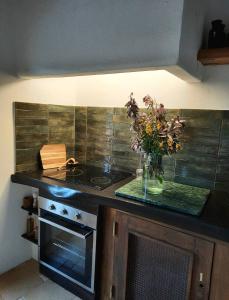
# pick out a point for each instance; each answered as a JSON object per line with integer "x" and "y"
{"x": 78, "y": 215}
{"x": 52, "y": 207}
{"x": 64, "y": 211}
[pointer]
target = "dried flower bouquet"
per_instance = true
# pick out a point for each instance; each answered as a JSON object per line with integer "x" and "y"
{"x": 153, "y": 133}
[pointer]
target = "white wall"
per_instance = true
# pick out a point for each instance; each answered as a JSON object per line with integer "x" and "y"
{"x": 191, "y": 36}
{"x": 7, "y": 58}
{"x": 114, "y": 89}
{"x": 13, "y": 249}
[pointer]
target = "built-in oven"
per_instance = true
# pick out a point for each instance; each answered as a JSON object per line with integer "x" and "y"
{"x": 67, "y": 242}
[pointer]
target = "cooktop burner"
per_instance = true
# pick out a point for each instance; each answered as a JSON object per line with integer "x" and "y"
{"x": 74, "y": 172}
{"x": 87, "y": 175}
{"x": 101, "y": 180}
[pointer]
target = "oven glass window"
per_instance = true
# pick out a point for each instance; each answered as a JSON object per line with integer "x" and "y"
{"x": 67, "y": 252}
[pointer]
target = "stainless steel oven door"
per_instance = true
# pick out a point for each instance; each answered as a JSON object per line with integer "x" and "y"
{"x": 67, "y": 248}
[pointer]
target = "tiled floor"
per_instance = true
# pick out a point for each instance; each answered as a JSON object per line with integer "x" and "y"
{"x": 25, "y": 283}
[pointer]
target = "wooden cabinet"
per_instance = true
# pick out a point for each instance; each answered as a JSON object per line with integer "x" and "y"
{"x": 106, "y": 258}
{"x": 153, "y": 262}
{"x": 220, "y": 273}
{"x": 144, "y": 260}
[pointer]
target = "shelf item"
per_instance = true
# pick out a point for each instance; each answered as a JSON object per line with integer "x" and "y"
{"x": 28, "y": 201}
{"x": 31, "y": 210}
{"x": 29, "y": 238}
{"x": 217, "y": 56}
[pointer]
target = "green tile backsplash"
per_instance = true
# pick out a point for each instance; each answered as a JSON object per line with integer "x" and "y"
{"x": 31, "y": 132}
{"x": 39, "y": 124}
{"x": 94, "y": 135}
{"x": 61, "y": 123}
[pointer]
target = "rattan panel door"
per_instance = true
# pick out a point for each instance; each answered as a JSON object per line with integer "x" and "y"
{"x": 153, "y": 262}
{"x": 166, "y": 277}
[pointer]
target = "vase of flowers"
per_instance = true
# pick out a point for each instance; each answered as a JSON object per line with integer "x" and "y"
{"x": 152, "y": 175}
{"x": 155, "y": 136}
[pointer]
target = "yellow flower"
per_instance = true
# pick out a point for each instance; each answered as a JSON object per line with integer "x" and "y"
{"x": 149, "y": 129}
{"x": 178, "y": 147}
{"x": 158, "y": 126}
{"x": 170, "y": 142}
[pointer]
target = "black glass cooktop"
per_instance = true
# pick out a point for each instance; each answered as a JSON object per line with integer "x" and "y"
{"x": 95, "y": 177}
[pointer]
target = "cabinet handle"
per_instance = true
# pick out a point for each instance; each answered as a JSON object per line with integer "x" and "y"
{"x": 112, "y": 292}
{"x": 114, "y": 229}
{"x": 201, "y": 280}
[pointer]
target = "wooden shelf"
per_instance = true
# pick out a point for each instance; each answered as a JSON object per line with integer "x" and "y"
{"x": 219, "y": 56}
{"x": 31, "y": 210}
{"x": 28, "y": 238}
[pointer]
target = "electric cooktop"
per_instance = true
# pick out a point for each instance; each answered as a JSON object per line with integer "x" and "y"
{"x": 94, "y": 177}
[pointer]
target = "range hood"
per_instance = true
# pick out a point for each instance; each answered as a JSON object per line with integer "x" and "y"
{"x": 74, "y": 37}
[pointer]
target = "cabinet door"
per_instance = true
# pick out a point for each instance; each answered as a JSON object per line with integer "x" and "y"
{"x": 153, "y": 262}
{"x": 220, "y": 273}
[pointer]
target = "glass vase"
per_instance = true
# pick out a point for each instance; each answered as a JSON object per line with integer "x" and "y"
{"x": 152, "y": 181}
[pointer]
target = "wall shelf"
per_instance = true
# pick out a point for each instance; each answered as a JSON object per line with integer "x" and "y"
{"x": 25, "y": 236}
{"x": 31, "y": 210}
{"x": 28, "y": 238}
{"x": 219, "y": 56}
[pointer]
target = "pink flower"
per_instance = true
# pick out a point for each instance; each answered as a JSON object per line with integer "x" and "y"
{"x": 148, "y": 100}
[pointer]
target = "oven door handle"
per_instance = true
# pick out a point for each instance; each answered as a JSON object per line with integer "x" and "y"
{"x": 82, "y": 236}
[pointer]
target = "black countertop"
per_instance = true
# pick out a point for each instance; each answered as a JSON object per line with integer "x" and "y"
{"x": 213, "y": 222}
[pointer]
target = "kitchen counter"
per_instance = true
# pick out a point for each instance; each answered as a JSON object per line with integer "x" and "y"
{"x": 213, "y": 222}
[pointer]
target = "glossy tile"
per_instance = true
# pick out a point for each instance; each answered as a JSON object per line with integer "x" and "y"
{"x": 61, "y": 108}
{"x": 30, "y": 106}
{"x": 99, "y": 135}
{"x": 196, "y": 164}
{"x": 222, "y": 172}
{"x": 31, "y": 131}
{"x": 32, "y": 114}
{"x": 81, "y": 133}
{"x": 39, "y": 124}
{"x": 61, "y": 123}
